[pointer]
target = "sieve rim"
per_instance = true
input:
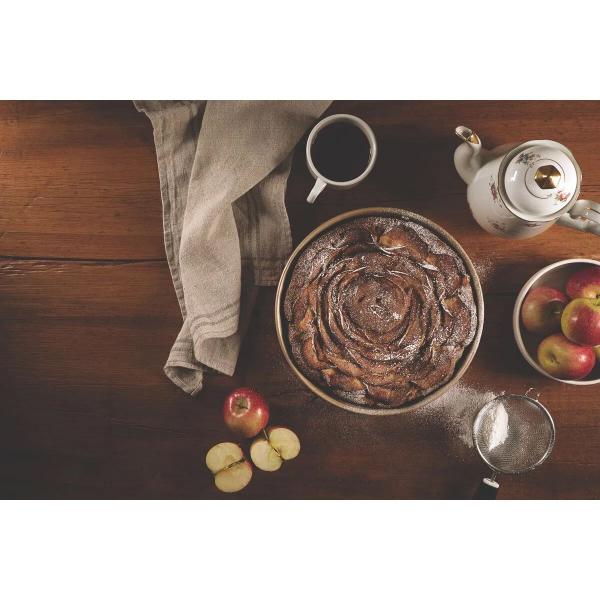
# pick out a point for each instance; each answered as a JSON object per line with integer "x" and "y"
{"x": 539, "y": 405}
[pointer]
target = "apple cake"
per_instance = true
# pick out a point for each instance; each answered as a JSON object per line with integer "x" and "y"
{"x": 379, "y": 310}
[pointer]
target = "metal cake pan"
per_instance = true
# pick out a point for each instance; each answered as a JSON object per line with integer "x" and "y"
{"x": 281, "y": 324}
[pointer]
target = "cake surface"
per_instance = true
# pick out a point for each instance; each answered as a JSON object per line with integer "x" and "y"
{"x": 379, "y": 311}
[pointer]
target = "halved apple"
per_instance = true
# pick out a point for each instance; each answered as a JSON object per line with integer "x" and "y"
{"x": 227, "y": 463}
{"x": 277, "y": 445}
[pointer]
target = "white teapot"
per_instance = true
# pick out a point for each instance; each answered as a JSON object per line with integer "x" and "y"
{"x": 519, "y": 190}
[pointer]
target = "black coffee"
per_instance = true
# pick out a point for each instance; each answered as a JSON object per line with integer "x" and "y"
{"x": 341, "y": 151}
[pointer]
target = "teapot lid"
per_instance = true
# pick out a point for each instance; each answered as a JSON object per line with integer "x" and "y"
{"x": 541, "y": 180}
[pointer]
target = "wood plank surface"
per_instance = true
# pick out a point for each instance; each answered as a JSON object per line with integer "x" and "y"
{"x": 88, "y": 314}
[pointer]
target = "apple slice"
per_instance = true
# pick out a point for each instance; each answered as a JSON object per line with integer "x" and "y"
{"x": 234, "y": 478}
{"x": 285, "y": 441}
{"x": 279, "y": 444}
{"x": 264, "y": 456}
{"x": 227, "y": 463}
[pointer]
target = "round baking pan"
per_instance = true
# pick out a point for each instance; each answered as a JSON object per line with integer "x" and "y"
{"x": 281, "y": 323}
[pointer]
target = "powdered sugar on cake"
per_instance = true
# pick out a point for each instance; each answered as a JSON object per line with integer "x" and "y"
{"x": 379, "y": 310}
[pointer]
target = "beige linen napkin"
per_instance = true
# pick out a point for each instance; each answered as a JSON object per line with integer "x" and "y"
{"x": 223, "y": 170}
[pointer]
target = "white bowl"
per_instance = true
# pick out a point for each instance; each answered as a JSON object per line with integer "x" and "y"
{"x": 556, "y": 276}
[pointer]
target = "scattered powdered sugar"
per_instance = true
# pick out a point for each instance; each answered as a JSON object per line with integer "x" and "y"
{"x": 484, "y": 268}
{"x": 455, "y": 412}
{"x": 428, "y": 267}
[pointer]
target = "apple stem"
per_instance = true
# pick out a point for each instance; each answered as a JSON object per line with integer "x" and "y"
{"x": 556, "y": 307}
{"x": 269, "y": 442}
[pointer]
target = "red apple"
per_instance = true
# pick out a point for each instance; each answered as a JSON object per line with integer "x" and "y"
{"x": 584, "y": 283}
{"x": 580, "y": 321}
{"x": 563, "y": 359}
{"x": 246, "y": 412}
{"x": 541, "y": 310}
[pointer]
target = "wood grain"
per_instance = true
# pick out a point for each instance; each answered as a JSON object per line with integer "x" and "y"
{"x": 78, "y": 180}
{"x": 88, "y": 314}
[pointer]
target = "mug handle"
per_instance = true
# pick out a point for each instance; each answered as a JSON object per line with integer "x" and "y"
{"x": 317, "y": 189}
{"x": 584, "y": 216}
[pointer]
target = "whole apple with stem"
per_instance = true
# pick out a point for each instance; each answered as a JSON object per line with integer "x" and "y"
{"x": 246, "y": 412}
{"x": 580, "y": 321}
{"x": 542, "y": 309}
{"x": 564, "y": 359}
{"x": 585, "y": 283}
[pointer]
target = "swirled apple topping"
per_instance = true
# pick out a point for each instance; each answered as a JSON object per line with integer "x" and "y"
{"x": 379, "y": 310}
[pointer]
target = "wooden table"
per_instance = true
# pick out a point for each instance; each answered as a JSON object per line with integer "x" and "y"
{"x": 88, "y": 314}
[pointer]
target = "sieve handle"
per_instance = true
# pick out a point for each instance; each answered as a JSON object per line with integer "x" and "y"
{"x": 533, "y": 394}
{"x": 488, "y": 489}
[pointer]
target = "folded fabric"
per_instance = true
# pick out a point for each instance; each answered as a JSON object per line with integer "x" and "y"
{"x": 223, "y": 170}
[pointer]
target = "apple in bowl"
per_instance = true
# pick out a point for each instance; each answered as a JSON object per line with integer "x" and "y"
{"x": 542, "y": 309}
{"x": 564, "y": 359}
{"x": 584, "y": 283}
{"x": 580, "y": 321}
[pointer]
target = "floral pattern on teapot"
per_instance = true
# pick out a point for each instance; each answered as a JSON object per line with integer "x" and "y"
{"x": 495, "y": 194}
{"x": 497, "y": 226}
{"x": 528, "y": 158}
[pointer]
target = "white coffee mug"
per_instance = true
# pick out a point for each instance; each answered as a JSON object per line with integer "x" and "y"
{"x": 322, "y": 181}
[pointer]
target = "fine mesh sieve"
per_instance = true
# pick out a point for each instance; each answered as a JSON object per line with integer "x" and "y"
{"x": 513, "y": 434}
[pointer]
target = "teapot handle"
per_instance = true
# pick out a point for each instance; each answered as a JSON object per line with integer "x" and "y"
{"x": 584, "y": 216}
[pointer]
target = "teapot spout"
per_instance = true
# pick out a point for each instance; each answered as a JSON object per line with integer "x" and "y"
{"x": 467, "y": 135}
{"x": 467, "y": 157}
